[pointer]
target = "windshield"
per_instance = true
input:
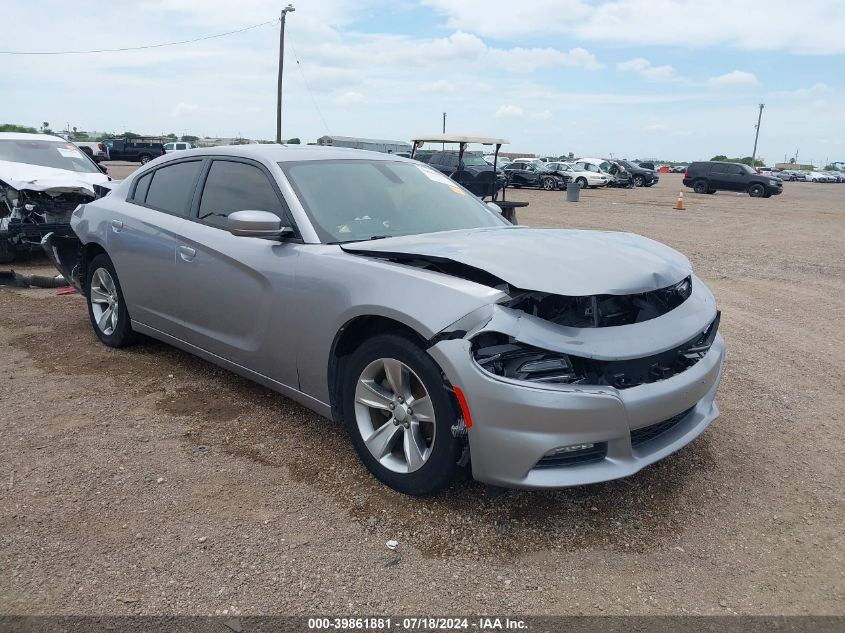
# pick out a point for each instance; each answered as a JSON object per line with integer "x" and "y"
{"x": 353, "y": 200}
{"x": 55, "y": 154}
{"x": 473, "y": 160}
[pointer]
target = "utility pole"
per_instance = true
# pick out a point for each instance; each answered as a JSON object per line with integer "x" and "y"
{"x": 444, "y": 129}
{"x": 281, "y": 68}
{"x": 756, "y": 136}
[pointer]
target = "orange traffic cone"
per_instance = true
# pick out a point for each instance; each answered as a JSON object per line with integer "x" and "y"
{"x": 679, "y": 203}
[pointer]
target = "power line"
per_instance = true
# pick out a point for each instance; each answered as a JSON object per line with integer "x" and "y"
{"x": 138, "y": 48}
{"x": 311, "y": 94}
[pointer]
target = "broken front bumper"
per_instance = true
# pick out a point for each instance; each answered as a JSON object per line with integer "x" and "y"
{"x": 517, "y": 426}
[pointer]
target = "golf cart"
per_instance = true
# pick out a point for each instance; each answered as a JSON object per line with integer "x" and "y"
{"x": 477, "y": 176}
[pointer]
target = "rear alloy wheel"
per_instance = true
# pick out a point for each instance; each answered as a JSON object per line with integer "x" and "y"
{"x": 399, "y": 416}
{"x": 549, "y": 184}
{"x": 756, "y": 191}
{"x": 145, "y": 158}
{"x": 106, "y": 307}
{"x": 700, "y": 186}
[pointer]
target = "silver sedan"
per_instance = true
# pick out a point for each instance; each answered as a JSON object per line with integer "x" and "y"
{"x": 384, "y": 296}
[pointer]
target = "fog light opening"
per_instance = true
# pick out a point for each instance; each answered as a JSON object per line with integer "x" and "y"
{"x": 572, "y": 448}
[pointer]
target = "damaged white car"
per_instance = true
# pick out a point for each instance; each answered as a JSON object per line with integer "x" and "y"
{"x": 378, "y": 292}
{"x": 43, "y": 178}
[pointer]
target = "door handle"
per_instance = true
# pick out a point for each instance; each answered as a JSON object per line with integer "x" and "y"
{"x": 187, "y": 253}
{"x": 116, "y": 226}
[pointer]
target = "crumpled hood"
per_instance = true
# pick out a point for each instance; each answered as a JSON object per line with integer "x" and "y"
{"x": 556, "y": 261}
{"x": 37, "y": 178}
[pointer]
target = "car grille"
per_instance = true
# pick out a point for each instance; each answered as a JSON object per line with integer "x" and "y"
{"x": 576, "y": 458}
{"x": 648, "y": 433}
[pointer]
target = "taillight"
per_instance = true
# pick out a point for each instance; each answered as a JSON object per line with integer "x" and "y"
{"x": 686, "y": 173}
{"x": 162, "y": 153}
{"x": 101, "y": 147}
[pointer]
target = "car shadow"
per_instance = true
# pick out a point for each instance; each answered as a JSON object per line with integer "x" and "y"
{"x": 227, "y": 413}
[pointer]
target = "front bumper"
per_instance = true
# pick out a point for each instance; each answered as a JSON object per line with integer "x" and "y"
{"x": 516, "y": 423}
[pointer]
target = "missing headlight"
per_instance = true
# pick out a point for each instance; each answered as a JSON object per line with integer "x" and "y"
{"x": 500, "y": 355}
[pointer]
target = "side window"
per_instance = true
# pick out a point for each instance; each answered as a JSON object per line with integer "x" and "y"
{"x": 172, "y": 187}
{"x": 737, "y": 170}
{"x": 718, "y": 168}
{"x": 141, "y": 188}
{"x": 233, "y": 186}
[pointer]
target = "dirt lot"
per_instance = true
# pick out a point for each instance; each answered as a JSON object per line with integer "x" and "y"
{"x": 147, "y": 481}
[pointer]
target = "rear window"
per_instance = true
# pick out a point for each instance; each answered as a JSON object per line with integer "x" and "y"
{"x": 172, "y": 186}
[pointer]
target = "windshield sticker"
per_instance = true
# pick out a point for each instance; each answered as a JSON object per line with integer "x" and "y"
{"x": 436, "y": 176}
{"x": 69, "y": 153}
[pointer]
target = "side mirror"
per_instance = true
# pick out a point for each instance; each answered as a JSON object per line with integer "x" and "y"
{"x": 257, "y": 224}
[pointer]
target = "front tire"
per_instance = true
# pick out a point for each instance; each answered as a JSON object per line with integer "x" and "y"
{"x": 582, "y": 182}
{"x": 639, "y": 181}
{"x": 756, "y": 191}
{"x": 549, "y": 184}
{"x": 399, "y": 415}
{"x": 106, "y": 306}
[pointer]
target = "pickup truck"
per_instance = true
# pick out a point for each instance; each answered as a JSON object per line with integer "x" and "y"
{"x": 136, "y": 150}
{"x": 95, "y": 150}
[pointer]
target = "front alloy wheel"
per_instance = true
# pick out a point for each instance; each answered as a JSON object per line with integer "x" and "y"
{"x": 106, "y": 305}
{"x": 548, "y": 184}
{"x": 400, "y": 415}
{"x": 394, "y": 415}
{"x": 104, "y": 301}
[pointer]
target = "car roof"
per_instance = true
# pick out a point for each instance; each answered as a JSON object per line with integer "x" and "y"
{"x": 25, "y": 136}
{"x": 272, "y": 152}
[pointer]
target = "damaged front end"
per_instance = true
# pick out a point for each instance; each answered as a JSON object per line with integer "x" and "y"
{"x": 27, "y": 216}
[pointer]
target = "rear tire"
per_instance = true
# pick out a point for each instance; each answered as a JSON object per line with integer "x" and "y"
{"x": 145, "y": 158}
{"x": 413, "y": 451}
{"x": 106, "y": 305}
{"x": 700, "y": 186}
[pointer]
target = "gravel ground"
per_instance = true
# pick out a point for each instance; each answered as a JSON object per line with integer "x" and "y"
{"x": 145, "y": 481}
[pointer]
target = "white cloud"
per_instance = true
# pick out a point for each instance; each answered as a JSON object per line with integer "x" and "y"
{"x": 509, "y": 112}
{"x": 644, "y": 68}
{"x": 734, "y": 79}
{"x": 778, "y": 25}
{"x": 350, "y": 98}
{"x": 184, "y": 108}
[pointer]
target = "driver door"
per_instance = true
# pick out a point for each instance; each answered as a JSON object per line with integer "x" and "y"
{"x": 235, "y": 291}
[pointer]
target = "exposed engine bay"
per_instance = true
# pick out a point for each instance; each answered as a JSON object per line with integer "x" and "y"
{"x": 26, "y": 216}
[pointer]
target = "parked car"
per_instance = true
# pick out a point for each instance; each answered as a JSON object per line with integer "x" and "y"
{"x": 594, "y": 166}
{"x": 585, "y": 178}
{"x": 474, "y": 172}
{"x": 788, "y": 174}
{"x": 819, "y": 176}
{"x": 642, "y": 176}
{"x": 522, "y": 174}
{"x": 622, "y": 178}
{"x": 837, "y": 176}
{"x": 96, "y": 150}
{"x": 400, "y": 305}
{"x": 500, "y": 162}
{"x": 713, "y": 176}
{"x": 132, "y": 149}
{"x": 177, "y": 146}
{"x": 43, "y": 178}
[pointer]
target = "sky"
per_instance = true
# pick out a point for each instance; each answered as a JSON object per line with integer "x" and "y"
{"x": 663, "y": 79}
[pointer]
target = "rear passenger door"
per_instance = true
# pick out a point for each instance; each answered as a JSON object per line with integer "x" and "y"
{"x": 231, "y": 286}
{"x": 143, "y": 236}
